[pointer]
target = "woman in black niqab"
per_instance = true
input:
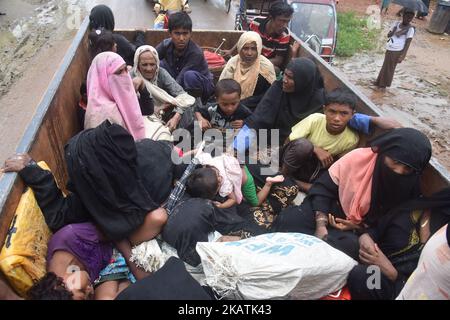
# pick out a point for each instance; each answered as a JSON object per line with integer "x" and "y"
{"x": 102, "y": 17}
{"x": 103, "y": 172}
{"x": 282, "y": 110}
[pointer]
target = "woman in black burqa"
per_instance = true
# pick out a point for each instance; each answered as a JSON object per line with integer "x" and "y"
{"x": 395, "y": 245}
{"x": 345, "y": 192}
{"x": 106, "y": 187}
{"x": 288, "y": 101}
{"x": 102, "y": 17}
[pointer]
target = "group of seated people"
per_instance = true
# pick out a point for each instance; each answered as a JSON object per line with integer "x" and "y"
{"x": 366, "y": 202}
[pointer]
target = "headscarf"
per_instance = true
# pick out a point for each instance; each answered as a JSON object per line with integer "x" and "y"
{"x": 159, "y": 95}
{"x": 102, "y": 168}
{"x": 112, "y": 96}
{"x": 282, "y": 110}
{"x": 308, "y": 97}
{"x": 101, "y": 17}
{"x": 247, "y": 75}
{"x": 368, "y": 186}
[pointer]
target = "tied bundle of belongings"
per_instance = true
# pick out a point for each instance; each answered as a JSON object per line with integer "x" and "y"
{"x": 274, "y": 266}
{"x": 23, "y": 256}
{"x": 152, "y": 255}
{"x": 156, "y": 130}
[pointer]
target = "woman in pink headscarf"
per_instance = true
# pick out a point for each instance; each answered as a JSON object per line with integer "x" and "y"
{"x": 111, "y": 95}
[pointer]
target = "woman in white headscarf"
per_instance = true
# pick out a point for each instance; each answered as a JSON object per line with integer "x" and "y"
{"x": 254, "y": 72}
{"x": 156, "y": 88}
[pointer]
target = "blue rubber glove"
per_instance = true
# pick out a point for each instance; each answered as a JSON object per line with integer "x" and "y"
{"x": 243, "y": 139}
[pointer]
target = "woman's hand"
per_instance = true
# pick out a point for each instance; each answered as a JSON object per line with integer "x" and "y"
{"x": 366, "y": 243}
{"x": 138, "y": 83}
{"x": 341, "y": 224}
{"x": 227, "y": 53}
{"x": 16, "y": 162}
{"x": 379, "y": 259}
{"x": 325, "y": 158}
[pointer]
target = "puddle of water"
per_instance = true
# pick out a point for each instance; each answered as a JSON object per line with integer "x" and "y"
{"x": 417, "y": 98}
{"x": 6, "y": 39}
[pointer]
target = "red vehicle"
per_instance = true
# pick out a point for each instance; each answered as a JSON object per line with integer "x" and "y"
{"x": 315, "y": 23}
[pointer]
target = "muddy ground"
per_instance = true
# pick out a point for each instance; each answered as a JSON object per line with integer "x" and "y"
{"x": 419, "y": 96}
{"x": 35, "y": 34}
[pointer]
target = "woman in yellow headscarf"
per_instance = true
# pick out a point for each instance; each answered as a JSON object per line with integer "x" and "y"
{"x": 254, "y": 72}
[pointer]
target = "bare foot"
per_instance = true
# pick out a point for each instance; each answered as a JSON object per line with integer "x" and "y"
{"x": 276, "y": 179}
{"x": 228, "y": 238}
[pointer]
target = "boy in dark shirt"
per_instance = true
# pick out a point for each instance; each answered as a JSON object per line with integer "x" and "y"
{"x": 184, "y": 59}
{"x": 228, "y": 112}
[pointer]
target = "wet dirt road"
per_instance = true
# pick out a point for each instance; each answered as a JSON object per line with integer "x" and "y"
{"x": 206, "y": 14}
{"x": 419, "y": 95}
{"x": 34, "y": 38}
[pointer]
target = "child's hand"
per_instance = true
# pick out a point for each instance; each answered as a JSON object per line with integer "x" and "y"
{"x": 173, "y": 122}
{"x": 204, "y": 124}
{"x": 237, "y": 124}
{"x": 217, "y": 204}
{"x": 295, "y": 47}
{"x": 276, "y": 179}
{"x": 325, "y": 158}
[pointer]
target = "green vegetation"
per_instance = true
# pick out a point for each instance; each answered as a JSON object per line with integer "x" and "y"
{"x": 354, "y": 35}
